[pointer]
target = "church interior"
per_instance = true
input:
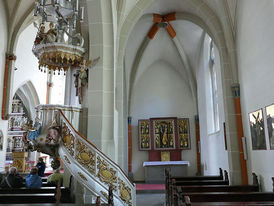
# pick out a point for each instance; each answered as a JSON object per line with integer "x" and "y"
{"x": 125, "y": 96}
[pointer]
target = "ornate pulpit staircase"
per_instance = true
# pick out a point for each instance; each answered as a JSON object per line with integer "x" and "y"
{"x": 85, "y": 162}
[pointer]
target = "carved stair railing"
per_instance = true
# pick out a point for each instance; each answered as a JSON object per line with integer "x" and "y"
{"x": 89, "y": 165}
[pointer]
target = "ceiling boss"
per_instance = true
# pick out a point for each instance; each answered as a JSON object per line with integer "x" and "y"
{"x": 60, "y": 46}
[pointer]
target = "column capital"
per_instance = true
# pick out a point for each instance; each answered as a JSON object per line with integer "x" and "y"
{"x": 10, "y": 57}
{"x": 196, "y": 118}
{"x": 129, "y": 120}
{"x": 235, "y": 87}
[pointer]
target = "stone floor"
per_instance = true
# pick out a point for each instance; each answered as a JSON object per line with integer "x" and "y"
{"x": 150, "y": 199}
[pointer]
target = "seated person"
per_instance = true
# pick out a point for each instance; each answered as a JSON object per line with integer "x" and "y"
{"x": 33, "y": 180}
{"x": 55, "y": 177}
{"x": 12, "y": 179}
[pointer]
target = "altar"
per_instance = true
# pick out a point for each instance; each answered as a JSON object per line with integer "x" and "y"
{"x": 155, "y": 170}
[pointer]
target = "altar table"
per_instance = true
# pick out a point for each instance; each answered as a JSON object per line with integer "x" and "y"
{"x": 155, "y": 170}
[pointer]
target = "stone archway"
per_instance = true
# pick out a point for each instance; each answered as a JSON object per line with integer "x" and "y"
{"x": 28, "y": 94}
{"x": 210, "y": 22}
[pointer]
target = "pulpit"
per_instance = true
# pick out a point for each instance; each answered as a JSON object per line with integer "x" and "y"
{"x": 155, "y": 170}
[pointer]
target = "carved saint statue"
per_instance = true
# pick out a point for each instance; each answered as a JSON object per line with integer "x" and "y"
{"x": 51, "y": 33}
{"x": 81, "y": 76}
{"x": 41, "y": 35}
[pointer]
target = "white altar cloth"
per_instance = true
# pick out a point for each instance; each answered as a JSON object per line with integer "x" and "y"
{"x": 162, "y": 163}
{"x": 155, "y": 170}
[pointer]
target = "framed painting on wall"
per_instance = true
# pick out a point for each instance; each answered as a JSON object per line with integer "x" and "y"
{"x": 270, "y": 124}
{"x": 164, "y": 133}
{"x": 144, "y": 134}
{"x": 257, "y": 130}
{"x": 183, "y": 133}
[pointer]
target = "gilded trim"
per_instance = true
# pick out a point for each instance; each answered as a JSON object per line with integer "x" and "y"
{"x": 85, "y": 156}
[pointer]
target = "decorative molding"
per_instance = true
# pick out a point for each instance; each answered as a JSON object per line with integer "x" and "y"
{"x": 85, "y": 156}
{"x": 68, "y": 139}
{"x": 82, "y": 176}
{"x": 235, "y": 90}
{"x": 197, "y": 118}
{"x": 129, "y": 119}
{"x": 125, "y": 192}
{"x": 67, "y": 159}
{"x": 105, "y": 173}
{"x": 104, "y": 194}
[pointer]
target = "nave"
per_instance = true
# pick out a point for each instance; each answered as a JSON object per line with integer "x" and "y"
{"x": 120, "y": 90}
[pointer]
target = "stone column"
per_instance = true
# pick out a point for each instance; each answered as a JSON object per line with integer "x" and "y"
{"x": 236, "y": 94}
{"x": 101, "y": 76}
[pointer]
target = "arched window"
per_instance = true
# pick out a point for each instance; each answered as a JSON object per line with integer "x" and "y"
{"x": 214, "y": 126}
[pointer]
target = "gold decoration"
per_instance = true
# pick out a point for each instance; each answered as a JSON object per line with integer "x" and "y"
{"x": 165, "y": 156}
{"x": 164, "y": 133}
{"x": 82, "y": 176}
{"x": 104, "y": 194}
{"x": 58, "y": 56}
{"x": 67, "y": 159}
{"x": 18, "y": 163}
{"x": 85, "y": 156}
{"x": 183, "y": 133}
{"x": 125, "y": 192}
{"x": 19, "y": 160}
{"x": 105, "y": 173}
{"x": 68, "y": 139}
{"x": 144, "y": 134}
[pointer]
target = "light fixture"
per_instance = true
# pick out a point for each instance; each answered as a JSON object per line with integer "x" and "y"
{"x": 60, "y": 46}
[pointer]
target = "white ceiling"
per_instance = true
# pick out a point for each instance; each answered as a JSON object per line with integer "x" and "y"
{"x": 162, "y": 48}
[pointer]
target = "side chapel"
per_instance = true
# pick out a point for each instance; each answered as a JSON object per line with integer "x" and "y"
{"x": 113, "y": 92}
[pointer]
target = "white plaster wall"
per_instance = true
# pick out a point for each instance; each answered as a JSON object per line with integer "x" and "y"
{"x": 3, "y": 47}
{"x": 213, "y": 153}
{"x": 161, "y": 92}
{"x": 58, "y": 89}
{"x": 255, "y": 49}
{"x": 27, "y": 65}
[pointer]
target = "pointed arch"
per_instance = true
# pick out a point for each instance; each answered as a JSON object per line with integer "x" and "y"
{"x": 28, "y": 94}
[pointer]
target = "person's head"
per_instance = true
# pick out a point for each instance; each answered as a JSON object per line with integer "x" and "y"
{"x": 34, "y": 170}
{"x": 13, "y": 171}
{"x": 40, "y": 159}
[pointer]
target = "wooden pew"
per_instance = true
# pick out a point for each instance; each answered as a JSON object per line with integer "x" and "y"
{"x": 221, "y": 188}
{"x": 27, "y": 198}
{"x": 25, "y": 190}
{"x": 209, "y": 177}
{"x": 29, "y": 195}
{"x": 230, "y": 196}
{"x": 170, "y": 182}
{"x": 179, "y": 182}
{"x": 44, "y": 184}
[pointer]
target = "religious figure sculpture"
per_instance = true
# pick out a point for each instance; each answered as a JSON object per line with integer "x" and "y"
{"x": 81, "y": 77}
{"x": 47, "y": 144}
{"x": 33, "y": 132}
{"x": 41, "y": 35}
{"x": 51, "y": 34}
